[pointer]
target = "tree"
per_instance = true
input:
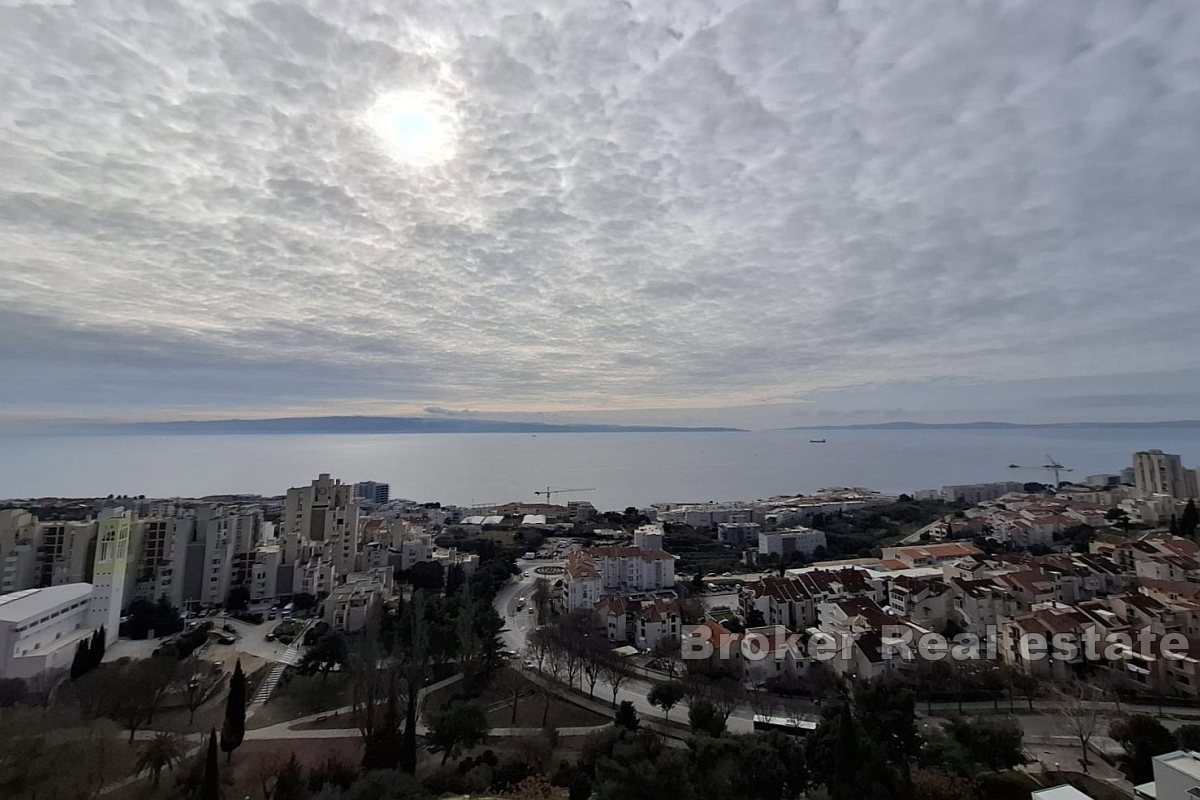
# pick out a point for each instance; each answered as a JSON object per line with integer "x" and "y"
{"x": 665, "y": 696}
{"x": 210, "y": 784}
{"x": 704, "y": 718}
{"x": 1143, "y": 737}
{"x": 933, "y": 785}
{"x": 627, "y": 716}
{"x": 1188, "y": 736}
{"x": 413, "y": 671}
{"x": 459, "y": 726}
{"x": 614, "y": 674}
{"x": 233, "y": 730}
{"x": 1080, "y": 716}
{"x": 97, "y": 647}
{"x": 82, "y": 662}
{"x": 967, "y": 745}
{"x": 238, "y": 599}
{"x": 455, "y": 579}
{"x": 426, "y": 576}
{"x": 127, "y": 691}
{"x": 1189, "y": 520}
{"x": 164, "y": 751}
{"x": 327, "y": 652}
{"x": 289, "y": 781}
{"x": 195, "y": 682}
{"x": 303, "y": 602}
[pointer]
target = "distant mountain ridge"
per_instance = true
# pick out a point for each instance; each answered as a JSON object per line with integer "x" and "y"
{"x": 284, "y": 425}
{"x": 988, "y": 426}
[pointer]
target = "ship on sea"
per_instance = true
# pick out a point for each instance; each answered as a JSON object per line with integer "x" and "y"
{"x": 816, "y": 441}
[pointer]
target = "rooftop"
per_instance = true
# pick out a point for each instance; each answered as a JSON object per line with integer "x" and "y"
{"x": 19, "y": 606}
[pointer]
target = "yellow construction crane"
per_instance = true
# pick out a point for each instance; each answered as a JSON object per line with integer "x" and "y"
{"x": 550, "y": 491}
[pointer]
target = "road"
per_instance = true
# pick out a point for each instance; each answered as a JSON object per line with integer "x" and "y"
{"x": 519, "y": 624}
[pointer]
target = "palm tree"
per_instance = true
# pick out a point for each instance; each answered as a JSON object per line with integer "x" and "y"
{"x": 164, "y": 751}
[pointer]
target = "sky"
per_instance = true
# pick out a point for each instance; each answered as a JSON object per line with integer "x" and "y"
{"x": 754, "y": 212}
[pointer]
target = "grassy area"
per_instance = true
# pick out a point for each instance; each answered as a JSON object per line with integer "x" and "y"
{"x": 300, "y": 695}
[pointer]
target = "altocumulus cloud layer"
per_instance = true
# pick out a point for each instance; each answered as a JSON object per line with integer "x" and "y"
{"x": 640, "y": 203}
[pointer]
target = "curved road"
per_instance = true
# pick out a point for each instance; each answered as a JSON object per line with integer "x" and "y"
{"x": 518, "y": 625}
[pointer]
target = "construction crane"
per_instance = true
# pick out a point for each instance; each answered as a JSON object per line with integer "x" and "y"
{"x": 1055, "y": 467}
{"x": 553, "y": 490}
{"x": 1052, "y": 464}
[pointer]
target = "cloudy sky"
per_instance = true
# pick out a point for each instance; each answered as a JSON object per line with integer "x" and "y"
{"x": 751, "y": 212}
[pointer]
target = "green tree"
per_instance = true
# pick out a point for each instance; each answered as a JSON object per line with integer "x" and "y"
{"x": 164, "y": 751}
{"x": 233, "y": 730}
{"x": 627, "y": 716}
{"x": 704, "y": 718}
{"x": 1143, "y": 737}
{"x": 97, "y": 647}
{"x": 238, "y": 599}
{"x": 210, "y": 783}
{"x": 327, "y": 652}
{"x": 1188, "y": 736}
{"x": 459, "y": 726}
{"x": 82, "y": 661}
{"x": 1189, "y": 520}
{"x": 665, "y": 696}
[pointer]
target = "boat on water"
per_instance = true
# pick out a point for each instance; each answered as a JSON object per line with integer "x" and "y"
{"x": 816, "y": 441}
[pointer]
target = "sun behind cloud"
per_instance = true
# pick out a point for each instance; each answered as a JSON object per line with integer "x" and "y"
{"x": 417, "y": 128}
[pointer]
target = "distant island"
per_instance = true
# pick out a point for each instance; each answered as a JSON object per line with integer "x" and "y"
{"x": 988, "y": 426}
{"x": 293, "y": 425}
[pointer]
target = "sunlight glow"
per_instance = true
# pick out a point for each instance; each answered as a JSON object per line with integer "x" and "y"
{"x": 417, "y": 128}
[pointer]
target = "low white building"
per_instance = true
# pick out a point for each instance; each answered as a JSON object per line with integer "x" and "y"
{"x": 41, "y": 628}
{"x": 800, "y": 541}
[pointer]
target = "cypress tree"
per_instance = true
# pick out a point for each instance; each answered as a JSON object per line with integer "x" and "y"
{"x": 96, "y": 649}
{"x": 82, "y": 661}
{"x": 210, "y": 785}
{"x": 234, "y": 728}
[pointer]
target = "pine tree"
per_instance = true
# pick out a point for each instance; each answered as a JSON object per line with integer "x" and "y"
{"x": 234, "y": 728}
{"x": 210, "y": 784}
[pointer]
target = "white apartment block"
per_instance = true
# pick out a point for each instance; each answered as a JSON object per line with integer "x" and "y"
{"x": 605, "y": 570}
{"x": 1156, "y": 472}
{"x": 41, "y": 628}
{"x": 796, "y": 541}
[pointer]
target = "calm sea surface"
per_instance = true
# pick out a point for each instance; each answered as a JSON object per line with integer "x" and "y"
{"x": 624, "y": 468}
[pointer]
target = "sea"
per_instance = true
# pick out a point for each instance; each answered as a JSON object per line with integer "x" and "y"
{"x": 611, "y": 470}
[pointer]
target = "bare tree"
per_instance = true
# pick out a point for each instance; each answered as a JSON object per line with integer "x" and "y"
{"x": 1080, "y": 715}
{"x": 195, "y": 683}
{"x": 594, "y": 654}
{"x": 511, "y": 686}
{"x": 614, "y": 673}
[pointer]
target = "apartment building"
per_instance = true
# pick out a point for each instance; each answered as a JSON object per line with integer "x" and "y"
{"x": 1156, "y": 472}
{"x": 793, "y": 542}
{"x": 325, "y": 513}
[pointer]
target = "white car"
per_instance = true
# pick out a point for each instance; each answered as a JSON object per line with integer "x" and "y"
{"x": 526, "y": 574}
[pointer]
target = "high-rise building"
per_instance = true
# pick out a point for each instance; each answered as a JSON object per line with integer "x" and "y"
{"x": 159, "y": 549}
{"x": 372, "y": 491}
{"x": 109, "y": 568}
{"x": 324, "y": 513}
{"x": 1156, "y": 472}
